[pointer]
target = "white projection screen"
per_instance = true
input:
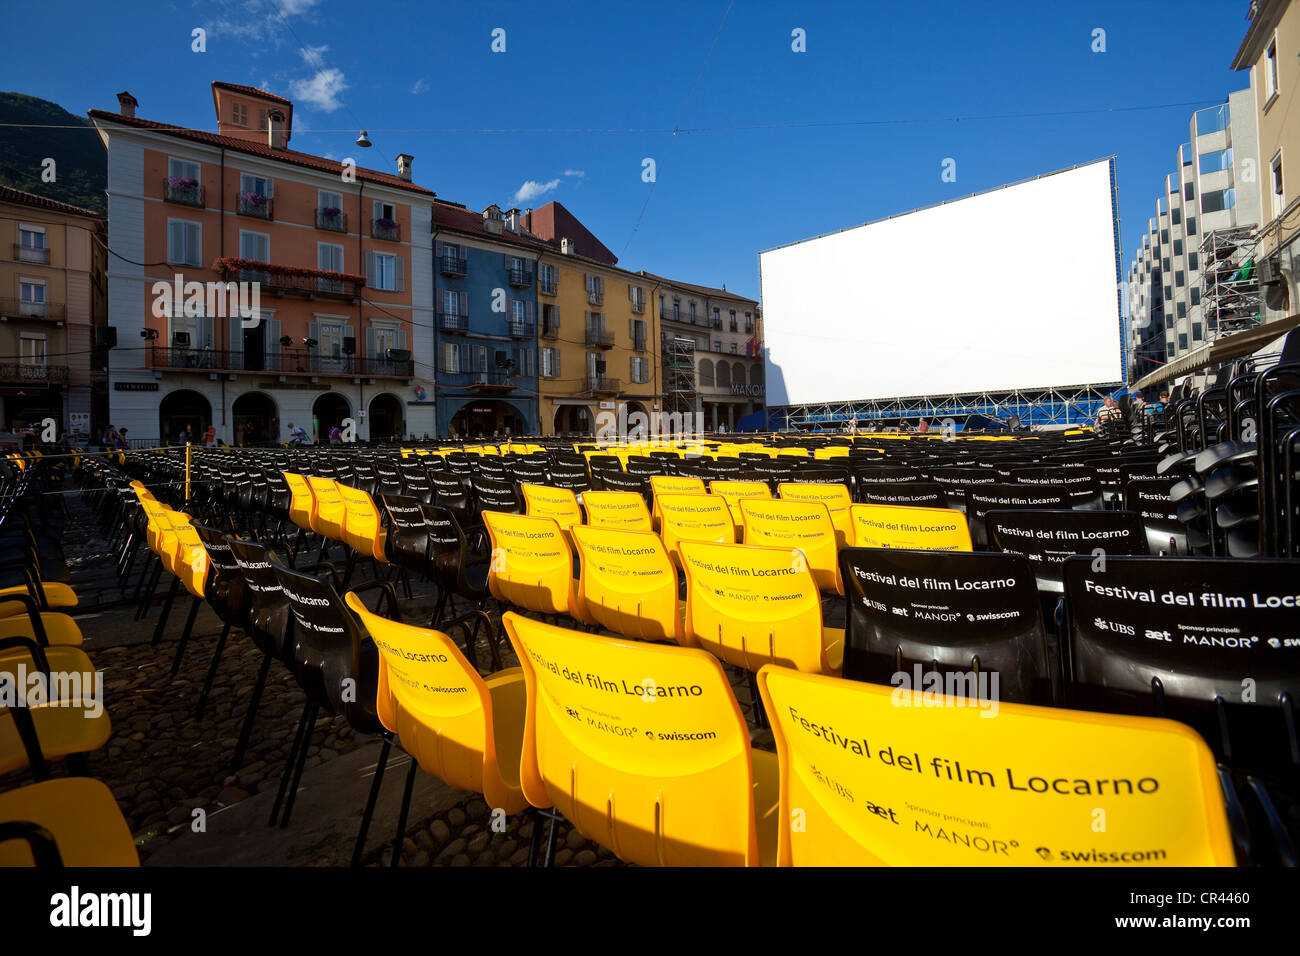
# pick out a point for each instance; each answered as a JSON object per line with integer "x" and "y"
{"x": 1013, "y": 288}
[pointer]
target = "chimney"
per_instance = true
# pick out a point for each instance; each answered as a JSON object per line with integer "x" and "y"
{"x": 404, "y": 161}
{"x": 275, "y": 129}
{"x": 512, "y": 220}
{"x": 567, "y": 247}
{"x": 528, "y": 219}
{"x": 127, "y": 104}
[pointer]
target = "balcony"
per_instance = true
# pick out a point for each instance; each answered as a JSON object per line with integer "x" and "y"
{"x": 547, "y": 286}
{"x": 22, "y": 309}
{"x": 638, "y": 307}
{"x": 599, "y": 339}
{"x": 332, "y": 220}
{"x": 603, "y": 385}
{"x": 494, "y": 382}
{"x": 21, "y": 373}
{"x": 521, "y": 278}
{"x": 385, "y": 229}
{"x": 550, "y": 330}
{"x": 187, "y": 192}
{"x": 595, "y": 298}
{"x": 37, "y": 257}
{"x": 638, "y": 343}
{"x": 282, "y": 362}
{"x": 280, "y": 280}
{"x": 519, "y": 329}
{"x": 452, "y": 266}
{"x": 453, "y": 323}
{"x": 255, "y": 205}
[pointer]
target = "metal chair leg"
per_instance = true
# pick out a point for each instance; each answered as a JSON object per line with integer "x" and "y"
{"x": 246, "y": 731}
{"x": 185, "y": 636}
{"x": 308, "y": 731}
{"x": 289, "y": 762}
{"x": 212, "y": 672}
{"x": 375, "y": 783}
{"x": 401, "y": 816}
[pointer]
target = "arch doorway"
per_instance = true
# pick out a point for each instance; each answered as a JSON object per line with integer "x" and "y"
{"x": 181, "y": 411}
{"x": 641, "y": 426}
{"x": 386, "y": 422}
{"x": 327, "y": 411}
{"x": 573, "y": 420}
{"x": 255, "y": 419}
{"x": 486, "y": 419}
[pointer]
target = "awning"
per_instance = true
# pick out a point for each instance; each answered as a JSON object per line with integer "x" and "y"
{"x": 1223, "y": 349}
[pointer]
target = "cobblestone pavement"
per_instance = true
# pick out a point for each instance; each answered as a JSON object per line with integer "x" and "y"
{"x": 162, "y": 762}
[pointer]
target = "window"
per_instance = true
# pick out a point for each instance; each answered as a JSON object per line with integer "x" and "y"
{"x": 31, "y": 244}
{"x": 1164, "y": 264}
{"x": 31, "y": 295}
{"x": 677, "y": 309}
{"x": 1271, "y": 85}
{"x": 637, "y": 296}
{"x": 550, "y": 320}
{"x": 1169, "y": 351}
{"x": 1198, "y": 332}
{"x": 749, "y": 322}
{"x": 1196, "y": 296}
{"x": 717, "y": 346}
{"x": 733, "y": 349}
{"x": 640, "y": 369}
{"x": 1169, "y": 293}
{"x": 1177, "y": 216}
{"x": 258, "y": 185}
{"x": 1191, "y": 224}
{"x": 1189, "y": 191}
{"x": 329, "y": 257}
{"x": 1218, "y": 200}
{"x": 382, "y": 336}
{"x": 1178, "y": 247}
{"x": 717, "y": 318}
{"x": 184, "y": 243}
{"x": 550, "y": 363}
{"x": 385, "y": 210}
{"x": 239, "y": 114}
{"x": 595, "y": 289}
{"x": 1276, "y": 167}
{"x": 451, "y": 357}
{"x": 1164, "y": 237}
{"x": 385, "y": 272}
{"x": 1182, "y": 341}
{"x": 329, "y": 336}
{"x": 1193, "y": 261}
{"x": 692, "y": 311}
{"x": 638, "y": 330}
{"x": 33, "y": 348}
{"x": 546, "y": 279}
{"x": 1180, "y": 278}
{"x": 1182, "y": 310}
{"x": 732, "y": 323}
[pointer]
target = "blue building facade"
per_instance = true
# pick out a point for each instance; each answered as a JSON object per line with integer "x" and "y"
{"x": 485, "y": 323}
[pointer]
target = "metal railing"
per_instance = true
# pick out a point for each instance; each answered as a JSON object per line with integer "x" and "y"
{"x": 521, "y": 278}
{"x": 22, "y": 309}
{"x": 185, "y": 195}
{"x": 550, "y": 330}
{"x": 595, "y": 298}
{"x": 387, "y": 230}
{"x": 603, "y": 384}
{"x": 334, "y": 222}
{"x": 277, "y": 282}
{"x": 497, "y": 379}
{"x": 284, "y": 361}
{"x": 259, "y": 207}
{"x": 25, "y": 373}
{"x": 599, "y": 339}
{"x": 548, "y": 286}
{"x": 452, "y": 266}
{"x": 453, "y": 322}
{"x": 520, "y": 329}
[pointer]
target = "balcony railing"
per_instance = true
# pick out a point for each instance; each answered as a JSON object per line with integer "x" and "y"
{"x": 453, "y": 322}
{"x": 453, "y": 266}
{"x": 638, "y": 343}
{"x": 284, "y": 362}
{"x": 333, "y": 220}
{"x": 599, "y": 339}
{"x": 40, "y": 257}
{"x": 183, "y": 193}
{"x": 24, "y": 373}
{"x": 22, "y": 309}
{"x": 385, "y": 229}
{"x": 550, "y": 330}
{"x": 638, "y": 307}
{"x": 547, "y": 286}
{"x": 521, "y": 278}
{"x": 278, "y": 280}
{"x": 497, "y": 381}
{"x": 595, "y": 298}
{"x": 520, "y": 329}
{"x": 602, "y": 385}
{"x": 256, "y": 205}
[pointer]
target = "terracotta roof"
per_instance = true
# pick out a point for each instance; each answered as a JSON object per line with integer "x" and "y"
{"x": 553, "y": 222}
{"x": 263, "y": 150}
{"x": 698, "y": 289}
{"x": 9, "y": 194}
{"x": 251, "y": 91}
{"x": 458, "y": 218}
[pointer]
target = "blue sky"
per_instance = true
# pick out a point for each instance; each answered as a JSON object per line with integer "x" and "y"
{"x": 857, "y": 126}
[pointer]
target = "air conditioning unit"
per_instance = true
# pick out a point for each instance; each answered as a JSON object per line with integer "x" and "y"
{"x": 1267, "y": 271}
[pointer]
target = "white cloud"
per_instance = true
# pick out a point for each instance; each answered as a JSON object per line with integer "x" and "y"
{"x": 420, "y": 86}
{"x": 296, "y": 8}
{"x": 576, "y": 173}
{"x": 261, "y": 20}
{"x": 322, "y": 90}
{"x": 532, "y": 189}
{"x": 313, "y": 55}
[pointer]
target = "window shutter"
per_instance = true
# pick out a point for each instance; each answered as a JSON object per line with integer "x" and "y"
{"x": 370, "y": 344}
{"x": 631, "y": 330}
{"x": 272, "y": 344}
{"x": 600, "y": 284}
{"x": 399, "y": 273}
{"x": 270, "y": 189}
{"x": 464, "y": 304}
{"x": 313, "y": 330}
{"x": 371, "y": 278}
{"x": 528, "y": 311}
{"x": 437, "y": 249}
{"x": 236, "y": 341}
{"x": 401, "y": 338}
{"x": 377, "y": 208}
{"x": 557, "y": 362}
{"x": 348, "y": 333}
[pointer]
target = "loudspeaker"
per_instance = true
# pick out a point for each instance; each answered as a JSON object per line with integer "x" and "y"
{"x": 350, "y": 345}
{"x": 106, "y": 336}
{"x": 181, "y": 340}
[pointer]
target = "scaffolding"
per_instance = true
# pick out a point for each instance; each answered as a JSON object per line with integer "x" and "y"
{"x": 1230, "y": 296}
{"x": 679, "y": 375}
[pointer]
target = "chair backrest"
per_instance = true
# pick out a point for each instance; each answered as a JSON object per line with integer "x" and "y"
{"x": 732, "y": 491}
{"x": 669, "y": 784}
{"x": 449, "y": 492}
{"x": 1211, "y": 642}
{"x": 805, "y": 525}
{"x": 301, "y": 500}
{"x": 408, "y": 532}
{"x": 922, "y": 529}
{"x": 628, "y": 583}
{"x": 980, "y": 498}
{"x": 363, "y": 530}
{"x": 1082, "y": 483}
{"x": 557, "y": 503}
{"x": 693, "y": 517}
{"x": 441, "y": 709}
{"x": 1047, "y": 538}
{"x": 497, "y": 495}
{"x": 624, "y": 510}
{"x": 749, "y": 606}
{"x": 920, "y": 494}
{"x": 532, "y": 565}
{"x": 971, "y": 618}
{"x": 673, "y": 485}
{"x": 329, "y": 513}
{"x": 270, "y": 618}
{"x": 834, "y": 496}
{"x": 881, "y": 775}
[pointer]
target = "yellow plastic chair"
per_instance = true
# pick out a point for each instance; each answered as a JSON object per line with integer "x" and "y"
{"x": 903, "y": 526}
{"x": 66, "y": 717}
{"x": 532, "y": 565}
{"x": 302, "y": 502}
{"x": 78, "y": 813}
{"x": 672, "y": 485}
{"x": 363, "y": 528}
{"x": 875, "y": 775}
{"x": 53, "y": 595}
{"x": 694, "y": 518}
{"x": 628, "y": 583}
{"x": 834, "y": 496}
{"x": 623, "y": 510}
{"x": 459, "y": 727}
{"x": 733, "y": 491}
{"x": 559, "y": 504}
{"x": 752, "y": 606}
{"x": 329, "y": 514}
{"x": 802, "y": 525}
{"x": 643, "y": 748}
{"x": 835, "y": 451}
